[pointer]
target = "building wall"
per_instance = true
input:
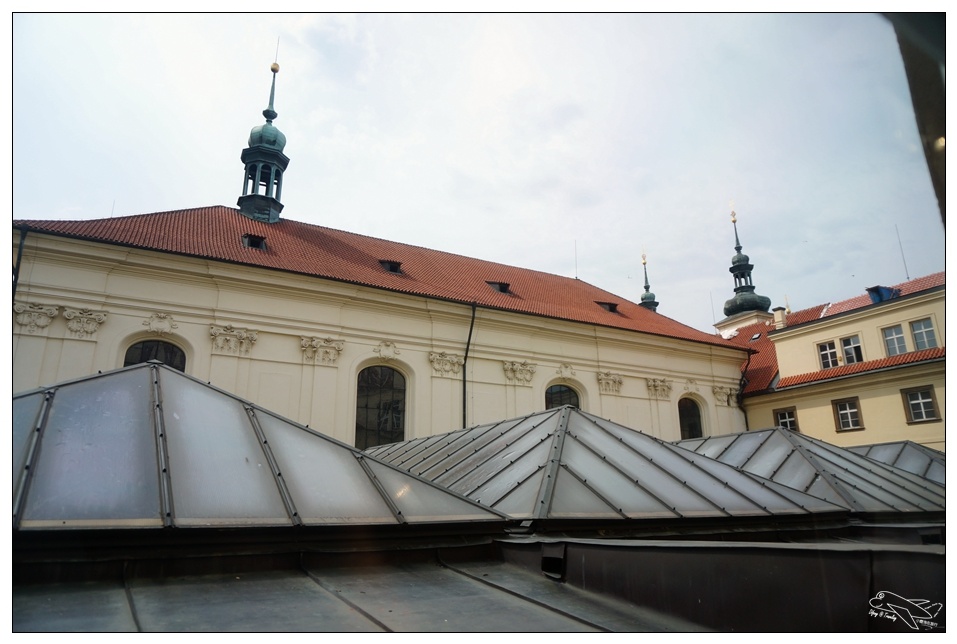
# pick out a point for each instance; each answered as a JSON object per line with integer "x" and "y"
{"x": 882, "y": 408}
{"x": 797, "y": 347}
{"x": 295, "y": 344}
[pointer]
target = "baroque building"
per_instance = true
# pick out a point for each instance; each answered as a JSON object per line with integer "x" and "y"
{"x": 367, "y": 340}
{"x": 866, "y": 370}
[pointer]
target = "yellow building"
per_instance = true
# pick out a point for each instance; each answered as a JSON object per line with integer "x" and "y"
{"x": 367, "y": 340}
{"x": 866, "y": 370}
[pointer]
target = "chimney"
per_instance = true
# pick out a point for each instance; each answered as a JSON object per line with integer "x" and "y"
{"x": 780, "y": 317}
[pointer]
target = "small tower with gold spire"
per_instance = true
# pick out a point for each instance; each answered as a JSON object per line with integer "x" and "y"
{"x": 746, "y": 307}
{"x": 265, "y": 165}
{"x": 647, "y": 298}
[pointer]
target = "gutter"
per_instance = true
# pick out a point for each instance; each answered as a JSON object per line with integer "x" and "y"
{"x": 16, "y": 267}
{"x": 465, "y": 361}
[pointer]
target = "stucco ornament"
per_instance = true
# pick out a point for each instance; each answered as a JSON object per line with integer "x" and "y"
{"x": 231, "y": 339}
{"x": 387, "y": 350}
{"x": 519, "y": 372}
{"x": 565, "y": 371}
{"x": 445, "y": 364}
{"x": 609, "y": 383}
{"x": 321, "y": 350}
{"x": 83, "y": 322}
{"x": 34, "y": 316}
{"x": 659, "y": 388}
{"x": 724, "y": 395}
{"x": 160, "y": 323}
{"x": 691, "y": 384}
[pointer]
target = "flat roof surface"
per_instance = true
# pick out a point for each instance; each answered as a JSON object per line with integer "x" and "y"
{"x": 476, "y": 596}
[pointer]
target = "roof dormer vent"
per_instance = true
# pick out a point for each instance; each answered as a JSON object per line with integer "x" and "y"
{"x": 254, "y": 241}
{"x": 501, "y": 287}
{"x": 611, "y": 307}
{"x": 391, "y": 265}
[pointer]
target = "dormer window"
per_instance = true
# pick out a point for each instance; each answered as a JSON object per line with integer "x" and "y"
{"x": 611, "y": 307}
{"x": 392, "y": 266}
{"x": 501, "y": 287}
{"x": 254, "y": 241}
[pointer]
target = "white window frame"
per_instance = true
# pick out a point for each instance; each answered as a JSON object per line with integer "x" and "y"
{"x": 923, "y": 332}
{"x": 897, "y": 338}
{"x": 847, "y": 414}
{"x": 927, "y": 405}
{"x": 852, "y": 350}
{"x": 827, "y": 353}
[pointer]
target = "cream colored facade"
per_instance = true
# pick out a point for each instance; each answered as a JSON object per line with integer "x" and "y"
{"x": 295, "y": 344}
{"x": 879, "y": 391}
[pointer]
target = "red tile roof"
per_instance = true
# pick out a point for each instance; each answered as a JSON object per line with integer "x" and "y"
{"x": 861, "y": 367}
{"x": 763, "y": 367}
{"x": 915, "y": 285}
{"x": 216, "y": 233}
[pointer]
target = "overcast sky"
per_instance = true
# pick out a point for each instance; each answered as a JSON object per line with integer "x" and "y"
{"x": 563, "y": 143}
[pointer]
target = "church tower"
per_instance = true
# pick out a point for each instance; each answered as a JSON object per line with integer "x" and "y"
{"x": 647, "y": 298}
{"x": 265, "y": 165}
{"x": 746, "y": 307}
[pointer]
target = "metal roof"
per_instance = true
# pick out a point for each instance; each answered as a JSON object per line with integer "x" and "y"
{"x": 564, "y": 463}
{"x": 832, "y": 473}
{"x": 909, "y": 456}
{"x": 148, "y": 446}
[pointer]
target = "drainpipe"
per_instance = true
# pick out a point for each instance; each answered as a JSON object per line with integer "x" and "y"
{"x": 16, "y": 267}
{"x": 740, "y": 396}
{"x": 465, "y": 362}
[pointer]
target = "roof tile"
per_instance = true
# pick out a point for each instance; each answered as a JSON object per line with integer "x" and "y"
{"x": 216, "y": 232}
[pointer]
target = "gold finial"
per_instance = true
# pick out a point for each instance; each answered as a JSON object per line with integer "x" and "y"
{"x": 274, "y": 68}
{"x": 787, "y": 307}
{"x": 643, "y": 260}
{"x": 734, "y": 217}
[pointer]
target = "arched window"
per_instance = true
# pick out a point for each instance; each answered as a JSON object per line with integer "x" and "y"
{"x": 380, "y": 407}
{"x": 169, "y": 354}
{"x": 689, "y": 417}
{"x": 558, "y": 395}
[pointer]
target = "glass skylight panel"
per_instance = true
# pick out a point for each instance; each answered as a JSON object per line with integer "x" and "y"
{"x": 491, "y": 483}
{"x": 573, "y": 500}
{"x": 911, "y": 460}
{"x": 26, "y": 410}
{"x": 743, "y": 448}
{"x": 518, "y": 501}
{"x": 769, "y": 456}
{"x": 710, "y": 447}
{"x": 795, "y": 472}
{"x": 514, "y": 452}
{"x": 220, "y": 475}
{"x": 884, "y": 453}
{"x": 419, "y": 501}
{"x": 97, "y": 462}
{"x": 326, "y": 482}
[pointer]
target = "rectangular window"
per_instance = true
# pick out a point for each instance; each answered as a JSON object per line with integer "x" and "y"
{"x": 852, "y": 350}
{"x": 920, "y": 404}
{"x": 828, "y": 355}
{"x": 923, "y": 332}
{"x": 786, "y": 418}
{"x": 847, "y": 414}
{"x": 894, "y": 340}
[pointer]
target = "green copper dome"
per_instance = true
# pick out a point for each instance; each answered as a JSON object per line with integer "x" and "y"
{"x": 745, "y": 299}
{"x": 267, "y": 135}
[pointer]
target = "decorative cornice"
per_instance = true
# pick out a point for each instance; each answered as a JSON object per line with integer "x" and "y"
{"x": 83, "y": 322}
{"x": 387, "y": 350}
{"x": 609, "y": 383}
{"x": 659, "y": 388}
{"x": 230, "y": 339}
{"x": 321, "y": 351}
{"x": 444, "y": 364}
{"x": 519, "y": 372}
{"x": 34, "y": 316}
{"x": 160, "y": 323}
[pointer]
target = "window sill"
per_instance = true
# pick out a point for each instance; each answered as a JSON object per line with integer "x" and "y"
{"x": 849, "y": 429}
{"x": 925, "y": 421}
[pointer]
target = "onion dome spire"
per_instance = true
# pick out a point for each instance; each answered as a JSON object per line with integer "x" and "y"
{"x": 265, "y": 165}
{"x": 647, "y": 298}
{"x": 745, "y": 299}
